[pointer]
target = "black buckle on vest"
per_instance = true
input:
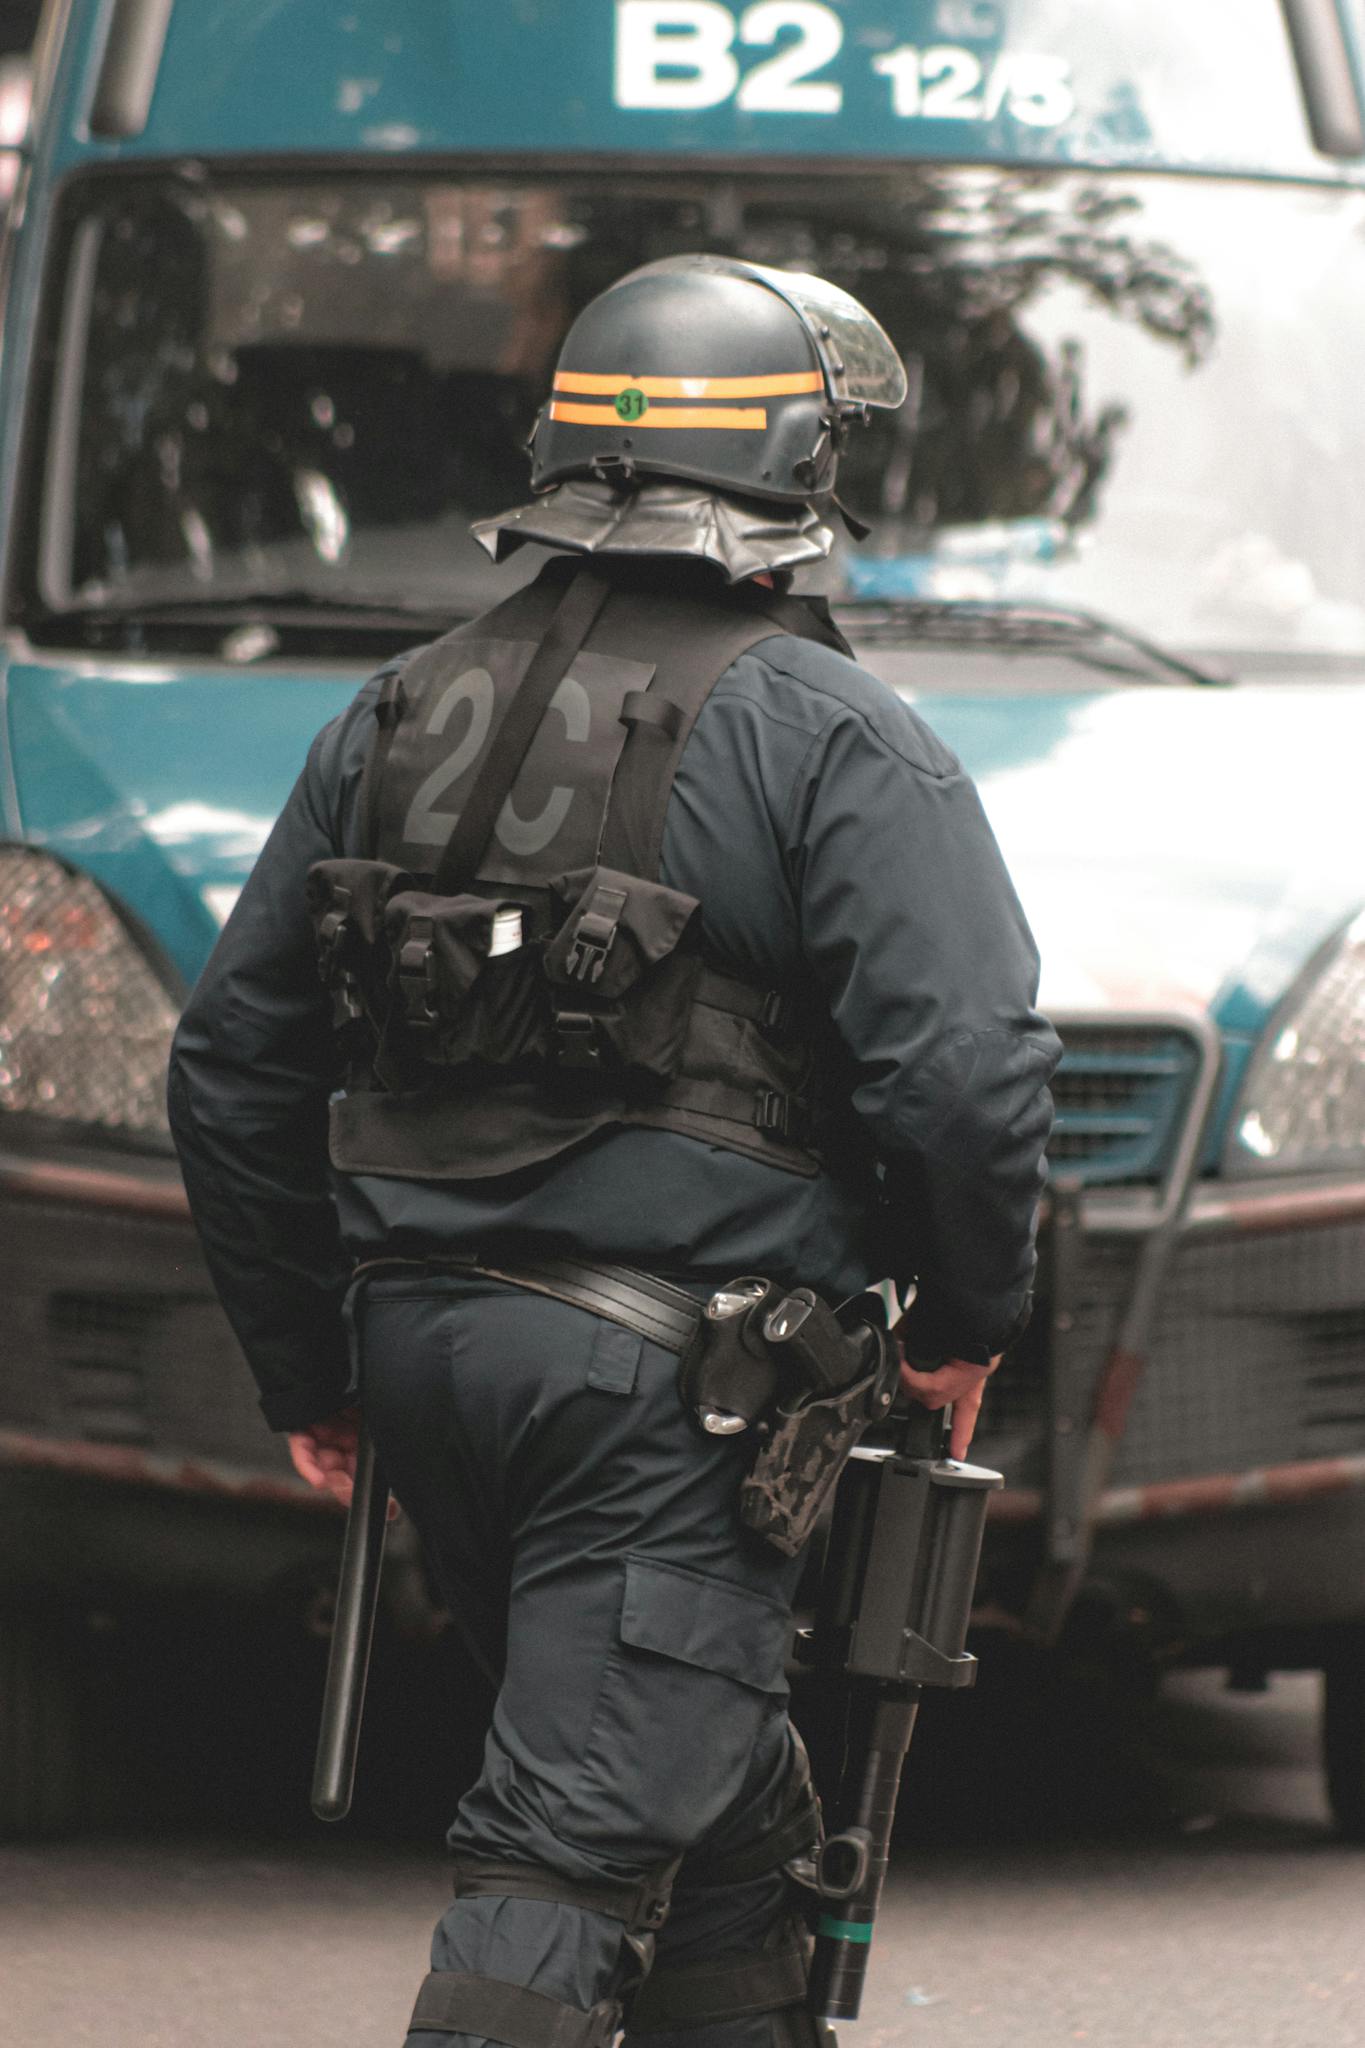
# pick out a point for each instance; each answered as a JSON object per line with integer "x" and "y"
{"x": 777, "y": 1013}
{"x": 347, "y": 1008}
{"x": 595, "y": 935}
{"x": 333, "y": 932}
{"x": 653, "y": 1913}
{"x": 576, "y": 1039}
{"x": 335, "y": 935}
{"x": 330, "y": 933}
{"x": 777, "y": 1114}
{"x": 416, "y": 976}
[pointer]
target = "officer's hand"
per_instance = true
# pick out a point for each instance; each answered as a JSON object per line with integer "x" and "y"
{"x": 325, "y": 1454}
{"x": 957, "y": 1381}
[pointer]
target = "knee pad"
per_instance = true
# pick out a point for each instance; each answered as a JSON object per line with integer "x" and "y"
{"x": 457, "y": 2002}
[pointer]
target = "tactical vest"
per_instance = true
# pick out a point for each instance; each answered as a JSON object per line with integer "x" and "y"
{"x": 523, "y": 764}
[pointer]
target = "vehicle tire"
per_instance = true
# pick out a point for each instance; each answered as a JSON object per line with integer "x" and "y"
{"x": 40, "y": 1747}
{"x": 1343, "y": 1734}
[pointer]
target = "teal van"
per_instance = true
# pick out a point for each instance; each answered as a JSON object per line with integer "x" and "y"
{"x": 283, "y": 284}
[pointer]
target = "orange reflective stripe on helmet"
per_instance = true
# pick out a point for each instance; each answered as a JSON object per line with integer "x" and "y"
{"x": 753, "y": 419}
{"x": 785, "y": 384}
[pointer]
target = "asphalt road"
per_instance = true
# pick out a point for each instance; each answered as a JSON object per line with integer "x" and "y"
{"x": 1174, "y": 1886}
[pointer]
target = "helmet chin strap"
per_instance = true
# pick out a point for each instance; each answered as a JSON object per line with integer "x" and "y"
{"x": 617, "y": 470}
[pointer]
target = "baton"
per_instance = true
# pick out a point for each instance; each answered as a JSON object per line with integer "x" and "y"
{"x": 348, "y": 1661}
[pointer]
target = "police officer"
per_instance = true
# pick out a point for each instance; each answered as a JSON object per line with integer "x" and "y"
{"x": 659, "y": 944}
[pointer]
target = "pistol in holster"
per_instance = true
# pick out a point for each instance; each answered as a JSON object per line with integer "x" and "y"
{"x": 805, "y": 1380}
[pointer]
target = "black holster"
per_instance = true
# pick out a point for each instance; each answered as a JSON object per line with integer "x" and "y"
{"x": 806, "y": 1379}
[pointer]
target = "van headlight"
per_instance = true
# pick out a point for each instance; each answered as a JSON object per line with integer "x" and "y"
{"x": 85, "y": 1021}
{"x": 1302, "y": 1106}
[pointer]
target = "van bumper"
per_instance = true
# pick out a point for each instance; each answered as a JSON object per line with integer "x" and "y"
{"x": 134, "y": 1456}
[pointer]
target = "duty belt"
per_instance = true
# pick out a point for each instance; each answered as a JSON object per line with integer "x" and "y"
{"x": 813, "y": 1377}
{"x": 668, "y": 1316}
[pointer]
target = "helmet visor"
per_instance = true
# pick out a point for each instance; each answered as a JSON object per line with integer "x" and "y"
{"x": 857, "y": 356}
{"x": 859, "y": 360}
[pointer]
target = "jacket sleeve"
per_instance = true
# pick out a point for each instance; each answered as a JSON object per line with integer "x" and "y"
{"x": 912, "y": 925}
{"x": 251, "y": 1070}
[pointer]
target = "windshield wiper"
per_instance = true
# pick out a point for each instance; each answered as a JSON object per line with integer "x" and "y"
{"x": 1015, "y": 622}
{"x": 278, "y": 608}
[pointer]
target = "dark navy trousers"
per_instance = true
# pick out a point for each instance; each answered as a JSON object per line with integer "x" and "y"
{"x": 586, "y": 1537}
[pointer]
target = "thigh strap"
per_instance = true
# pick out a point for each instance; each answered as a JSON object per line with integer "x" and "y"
{"x": 642, "y": 1908}
{"x": 451, "y": 2002}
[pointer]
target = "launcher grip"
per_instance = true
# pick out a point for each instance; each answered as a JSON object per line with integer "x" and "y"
{"x": 895, "y": 1602}
{"x": 843, "y": 1931}
{"x": 348, "y": 1663}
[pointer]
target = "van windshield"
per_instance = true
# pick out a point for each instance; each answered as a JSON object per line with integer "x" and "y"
{"x": 1128, "y": 391}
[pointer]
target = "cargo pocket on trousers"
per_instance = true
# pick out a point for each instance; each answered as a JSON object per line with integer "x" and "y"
{"x": 696, "y": 1669}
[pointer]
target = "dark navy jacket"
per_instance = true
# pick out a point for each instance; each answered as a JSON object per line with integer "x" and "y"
{"x": 827, "y": 833}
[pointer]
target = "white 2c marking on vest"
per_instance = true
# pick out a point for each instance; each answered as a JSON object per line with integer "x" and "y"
{"x": 426, "y": 826}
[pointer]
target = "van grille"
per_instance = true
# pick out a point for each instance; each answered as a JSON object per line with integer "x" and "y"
{"x": 100, "y": 1342}
{"x": 1119, "y": 1092}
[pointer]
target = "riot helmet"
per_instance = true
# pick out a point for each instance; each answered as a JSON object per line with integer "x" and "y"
{"x": 709, "y": 370}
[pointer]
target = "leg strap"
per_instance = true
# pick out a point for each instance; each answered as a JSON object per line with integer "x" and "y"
{"x": 642, "y": 1907}
{"x": 451, "y": 2003}
{"x": 730, "y": 1988}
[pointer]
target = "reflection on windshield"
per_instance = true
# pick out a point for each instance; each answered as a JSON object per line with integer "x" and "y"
{"x": 999, "y": 435}
{"x": 1129, "y": 393}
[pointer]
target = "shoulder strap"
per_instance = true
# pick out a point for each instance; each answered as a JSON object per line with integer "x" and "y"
{"x": 807, "y": 618}
{"x": 692, "y": 661}
{"x": 524, "y": 614}
{"x": 387, "y": 712}
{"x": 568, "y": 629}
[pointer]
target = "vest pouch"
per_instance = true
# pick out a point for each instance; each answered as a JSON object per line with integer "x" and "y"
{"x": 623, "y": 969}
{"x": 346, "y": 902}
{"x": 450, "y": 1003}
